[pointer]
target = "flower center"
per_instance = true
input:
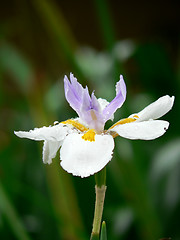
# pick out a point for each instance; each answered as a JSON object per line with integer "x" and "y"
{"x": 76, "y": 124}
{"x": 89, "y": 135}
{"x": 95, "y": 120}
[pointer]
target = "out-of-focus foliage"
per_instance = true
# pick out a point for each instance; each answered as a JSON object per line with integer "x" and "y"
{"x": 40, "y": 42}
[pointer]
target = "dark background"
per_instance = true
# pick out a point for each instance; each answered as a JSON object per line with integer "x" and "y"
{"x": 40, "y": 42}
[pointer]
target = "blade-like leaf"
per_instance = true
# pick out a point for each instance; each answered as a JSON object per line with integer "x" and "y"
{"x": 103, "y": 231}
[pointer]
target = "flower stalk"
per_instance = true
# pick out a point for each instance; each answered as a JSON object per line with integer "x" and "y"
{"x": 100, "y": 188}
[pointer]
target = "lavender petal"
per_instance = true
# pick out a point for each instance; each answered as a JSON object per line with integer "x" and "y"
{"x": 74, "y": 93}
{"x": 118, "y": 101}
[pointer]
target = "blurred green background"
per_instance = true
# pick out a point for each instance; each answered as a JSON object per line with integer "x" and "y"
{"x": 40, "y": 42}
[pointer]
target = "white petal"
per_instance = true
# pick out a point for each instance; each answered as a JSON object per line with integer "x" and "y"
{"x": 103, "y": 103}
{"x": 156, "y": 109}
{"x": 52, "y": 133}
{"x": 50, "y": 149}
{"x": 79, "y": 120}
{"x": 84, "y": 158}
{"x": 142, "y": 130}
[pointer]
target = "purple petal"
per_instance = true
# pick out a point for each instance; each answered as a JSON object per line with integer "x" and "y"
{"x": 86, "y": 101}
{"x": 75, "y": 94}
{"x": 94, "y": 103}
{"x": 88, "y": 108}
{"x": 118, "y": 101}
{"x": 91, "y": 113}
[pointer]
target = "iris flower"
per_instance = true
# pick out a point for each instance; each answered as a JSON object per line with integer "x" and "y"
{"x": 86, "y": 147}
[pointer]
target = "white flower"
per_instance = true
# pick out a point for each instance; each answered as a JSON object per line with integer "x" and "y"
{"x": 86, "y": 147}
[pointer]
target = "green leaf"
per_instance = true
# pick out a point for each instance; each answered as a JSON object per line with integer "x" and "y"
{"x": 103, "y": 231}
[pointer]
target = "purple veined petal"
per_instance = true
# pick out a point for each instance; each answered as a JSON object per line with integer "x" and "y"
{"x": 118, "y": 101}
{"x": 88, "y": 108}
{"x": 75, "y": 94}
{"x": 94, "y": 103}
{"x": 86, "y": 101}
{"x": 92, "y": 114}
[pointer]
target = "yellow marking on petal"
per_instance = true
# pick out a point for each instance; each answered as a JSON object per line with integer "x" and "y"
{"x": 76, "y": 124}
{"x": 136, "y": 117}
{"x": 89, "y": 135}
{"x": 114, "y": 134}
{"x": 123, "y": 121}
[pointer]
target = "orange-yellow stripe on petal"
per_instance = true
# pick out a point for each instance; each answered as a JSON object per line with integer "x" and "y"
{"x": 76, "y": 124}
{"x": 125, "y": 120}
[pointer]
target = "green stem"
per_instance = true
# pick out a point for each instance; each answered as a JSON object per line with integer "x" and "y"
{"x": 100, "y": 196}
{"x": 100, "y": 178}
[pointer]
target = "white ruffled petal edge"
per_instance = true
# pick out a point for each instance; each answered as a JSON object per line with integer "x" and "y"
{"x": 84, "y": 158}
{"x": 51, "y": 133}
{"x": 156, "y": 109}
{"x": 147, "y": 130}
{"x": 50, "y": 149}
